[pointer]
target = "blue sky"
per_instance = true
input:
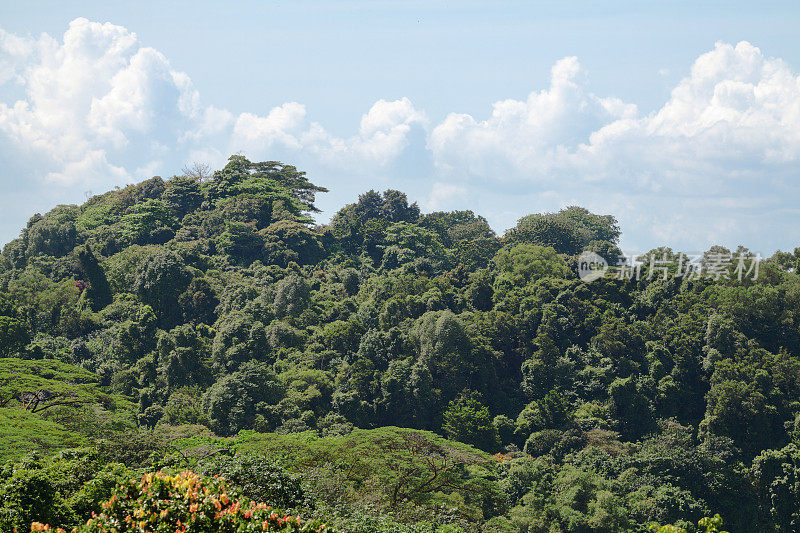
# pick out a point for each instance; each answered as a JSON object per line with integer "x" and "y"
{"x": 680, "y": 118}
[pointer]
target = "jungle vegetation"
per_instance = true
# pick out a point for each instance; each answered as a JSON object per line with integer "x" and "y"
{"x": 391, "y": 370}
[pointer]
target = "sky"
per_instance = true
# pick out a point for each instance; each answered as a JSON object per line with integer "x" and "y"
{"x": 682, "y": 119}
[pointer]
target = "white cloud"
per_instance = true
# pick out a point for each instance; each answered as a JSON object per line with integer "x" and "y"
{"x": 14, "y": 52}
{"x": 736, "y": 103}
{"x": 86, "y": 98}
{"x": 730, "y": 128}
{"x": 737, "y": 111}
{"x": 99, "y": 109}
{"x": 93, "y": 169}
{"x": 283, "y": 125}
{"x": 382, "y": 136}
{"x": 534, "y": 139}
{"x": 442, "y": 194}
{"x": 98, "y": 103}
{"x": 142, "y": 97}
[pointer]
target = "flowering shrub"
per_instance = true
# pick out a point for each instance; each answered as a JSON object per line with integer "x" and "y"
{"x": 186, "y": 503}
{"x": 82, "y": 285}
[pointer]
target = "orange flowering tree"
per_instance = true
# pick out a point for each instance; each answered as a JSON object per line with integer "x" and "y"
{"x": 187, "y": 503}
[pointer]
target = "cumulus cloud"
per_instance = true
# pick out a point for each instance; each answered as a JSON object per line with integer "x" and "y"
{"x": 98, "y": 108}
{"x": 532, "y": 139}
{"x": 738, "y": 104}
{"x": 94, "y": 98}
{"x": 731, "y": 129}
{"x": 382, "y": 136}
{"x": 94, "y": 168}
{"x": 284, "y": 125}
{"x": 442, "y": 194}
{"x": 737, "y": 111}
{"x": 98, "y": 103}
{"x": 14, "y": 51}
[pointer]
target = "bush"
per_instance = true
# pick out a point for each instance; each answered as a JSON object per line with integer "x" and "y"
{"x": 257, "y": 478}
{"x": 30, "y": 494}
{"x": 164, "y": 503}
{"x": 185, "y": 406}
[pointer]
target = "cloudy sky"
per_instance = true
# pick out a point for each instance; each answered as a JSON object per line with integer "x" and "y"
{"x": 680, "y": 118}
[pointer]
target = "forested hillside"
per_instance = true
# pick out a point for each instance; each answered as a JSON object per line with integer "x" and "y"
{"x": 392, "y": 370}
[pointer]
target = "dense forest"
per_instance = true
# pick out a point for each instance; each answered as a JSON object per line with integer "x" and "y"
{"x": 390, "y": 371}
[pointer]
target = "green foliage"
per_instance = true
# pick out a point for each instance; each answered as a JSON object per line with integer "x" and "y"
{"x": 414, "y": 247}
{"x": 257, "y": 478}
{"x": 40, "y": 385}
{"x": 30, "y": 495}
{"x": 46, "y": 405}
{"x": 165, "y": 312}
{"x": 150, "y": 222}
{"x": 457, "y": 226}
{"x": 343, "y": 337}
{"x": 63, "y": 490}
{"x": 777, "y": 483}
{"x": 199, "y": 302}
{"x": 286, "y": 241}
{"x": 243, "y": 399}
{"x": 185, "y": 354}
{"x": 277, "y": 191}
{"x": 238, "y": 339}
{"x": 161, "y": 280}
{"x": 98, "y": 293}
{"x": 711, "y": 524}
{"x": 524, "y": 263}
{"x": 54, "y": 234}
{"x": 291, "y": 297}
{"x": 391, "y": 466}
{"x": 569, "y": 231}
{"x": 363, "y": 225}
{"x": 240, "y": 240}
{"x": 550, "y": 412}
{"x": 166, "y": 503}
{"x": 184, "y": 407}
{"x": 23, "y": 432}
{"x": 182, "y": 195}
{"x": 468, "y": 420}
{"x": 14, "y": 336}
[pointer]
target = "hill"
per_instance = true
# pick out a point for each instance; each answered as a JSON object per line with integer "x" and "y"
{"x": 401, "y": 369}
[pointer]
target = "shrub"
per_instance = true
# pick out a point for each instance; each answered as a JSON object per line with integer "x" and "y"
{"x": 163, "y": 503}
{"x": 257, "y": 478}
{"x": 30, "y": 494}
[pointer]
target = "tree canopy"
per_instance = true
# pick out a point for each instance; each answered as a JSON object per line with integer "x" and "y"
{"x": 390, "y": 370}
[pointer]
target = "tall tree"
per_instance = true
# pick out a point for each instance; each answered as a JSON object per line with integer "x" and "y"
{"x": 99, "y": 291}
